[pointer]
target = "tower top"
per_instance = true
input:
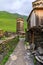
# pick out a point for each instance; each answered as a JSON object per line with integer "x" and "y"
{"x": 38, "y": 0}
{"x": 20, "y": 19}
{"x": 37, "y": 4}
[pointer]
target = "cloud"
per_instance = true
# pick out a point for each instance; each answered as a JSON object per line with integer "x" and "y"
{"x": 16, "y": 6}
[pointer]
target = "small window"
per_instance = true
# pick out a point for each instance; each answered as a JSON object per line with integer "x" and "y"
{"x": 37, "y": 20}
{"x": 41, "y": 20}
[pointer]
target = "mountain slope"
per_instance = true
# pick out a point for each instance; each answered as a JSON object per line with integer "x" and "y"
{"x": 8, "y": 21}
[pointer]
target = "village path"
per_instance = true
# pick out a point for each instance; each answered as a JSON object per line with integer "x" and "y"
{"x": 20, "y": 55}
{"x": 17, "y": 57}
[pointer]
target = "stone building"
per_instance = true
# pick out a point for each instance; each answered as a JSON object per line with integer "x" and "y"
{"x": 35, "y": 29}
{"x": 1, "y": 33}
{"x": 20, "y": 25}
{"x": 35, "y": 19}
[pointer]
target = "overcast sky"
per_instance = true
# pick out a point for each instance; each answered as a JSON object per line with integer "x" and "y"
{"x": 16, "y": 6}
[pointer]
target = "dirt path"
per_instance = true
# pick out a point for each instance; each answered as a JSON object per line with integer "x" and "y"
{"x": 20, "y": 56}
{"x": 17, "y": 57}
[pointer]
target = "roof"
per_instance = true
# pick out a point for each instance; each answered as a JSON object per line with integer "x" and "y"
{"x": 32, "y": 11}
{"x": 36, "y": 1}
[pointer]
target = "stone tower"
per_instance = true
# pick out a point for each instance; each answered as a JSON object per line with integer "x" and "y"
{"x": 37, "y": 4}
{"x": 20, "y": 25}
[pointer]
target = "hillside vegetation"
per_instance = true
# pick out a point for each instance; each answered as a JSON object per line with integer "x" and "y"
{"x": 8, "y": 21}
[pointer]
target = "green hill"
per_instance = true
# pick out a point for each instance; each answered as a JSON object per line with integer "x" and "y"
{"x": 8, "y": 21}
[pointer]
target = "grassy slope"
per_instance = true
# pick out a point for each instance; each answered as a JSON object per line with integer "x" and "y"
{"x": 8, "y": 21}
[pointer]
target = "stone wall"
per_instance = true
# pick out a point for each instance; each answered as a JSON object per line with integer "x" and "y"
{"x": 5, "y": 46}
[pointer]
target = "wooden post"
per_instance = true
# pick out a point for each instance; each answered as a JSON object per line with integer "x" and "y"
{"x": 32, "y": 39}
